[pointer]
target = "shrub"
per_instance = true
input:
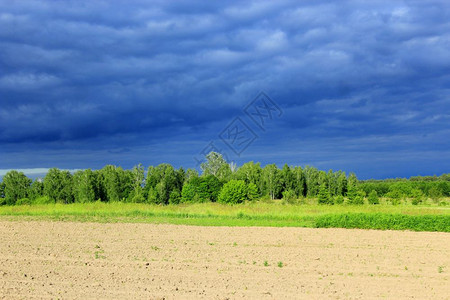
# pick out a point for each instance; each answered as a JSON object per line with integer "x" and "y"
{"x": 373, "y": 197}
{"x": 23, "y": 201}
{"x": 289, "y": 197}
{"x": 357, "y": 198}
{"x": 339, "y": 199}
{"x": 417, "y": 196}
{"x": 43, "y": 200}
{"x": 394, "y": 197}
{"x": 138, "y": 198}
{"x": 435, "y": 193}
{"x": 233, "y": 192}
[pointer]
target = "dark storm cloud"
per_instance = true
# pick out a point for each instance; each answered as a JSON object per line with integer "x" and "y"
{"x": 123, "y": 77}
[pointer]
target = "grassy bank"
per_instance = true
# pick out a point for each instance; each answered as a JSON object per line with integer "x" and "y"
{"x": 401, "y": 217}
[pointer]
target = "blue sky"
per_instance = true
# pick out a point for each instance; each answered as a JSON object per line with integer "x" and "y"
{"x": 362, "y": 87}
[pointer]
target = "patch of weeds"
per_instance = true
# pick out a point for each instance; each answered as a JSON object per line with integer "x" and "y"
{"x": 156, "y": 248}
{"x": 99, "y": 253}
{"x": 406, "y": 268}
{"x": 280, "y": 264}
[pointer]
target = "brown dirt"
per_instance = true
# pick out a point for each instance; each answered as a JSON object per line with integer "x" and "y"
{"x": 89, "y": 260}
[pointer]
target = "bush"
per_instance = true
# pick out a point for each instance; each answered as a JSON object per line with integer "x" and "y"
{"x": 339, "y": 199}
{"x": 417, "y": 196}
{"x": 137, "y": 198}
{"x": 43, "y": 200}
{"x": 289, "y": 197}
{"x": 233, "y": 192}
{"x": 373, "y": 197}
{"x": 357, "y": 198}
{"x": 23, "y": 201}
{"x": 394, "y": 196}
{"x": 189, "y": 193}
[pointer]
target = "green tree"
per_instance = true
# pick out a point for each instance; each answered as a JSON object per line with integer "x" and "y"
{"x": 190, "y": 174}
{"x": 162, "y": 193}
{"x": 169, "y": 182}
{"x": 152, "y": 196}
{"x": 373, "y": 197}
{"x": 312, "y": 181}
{"x": 300, "y": 182}
{"x": 287, "y": 178}
{"x": 153, "y": 177}
{"x": 272, "y": 181}
{"x": 2, "y": 193}
{"x": 36, "y": 189}
{"x": 341, "y": 184}
{"x": 189, "y": 192}
{"x": 174, "y": 197}
{"x": 289, "y": 197}
{"x": 233, "y": 192}
{"x": 181, "y": 177}
{"x": 252, "y": 191}
{"x": 250, "y": 172}
{"x": 58, "y": 186}
{"x": 324, "y": 194}
{"x": 201, "y": 189}
{"x": 215, "y": 165}
{"x": 394, "y": 196}
{"x": 137, "y": 180}
{"x": 209, "y": 188}
{"x": 354, "y": 195}
{"x": 332, "y": 179}
{"x": 352, "y": 183}
{"x": 16, "y": 187}
{"x": 84, "y": 186}
{"x": 111, "y": 183}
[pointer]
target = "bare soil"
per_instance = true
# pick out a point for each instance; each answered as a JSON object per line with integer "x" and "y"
{"x": 41, "y": 259}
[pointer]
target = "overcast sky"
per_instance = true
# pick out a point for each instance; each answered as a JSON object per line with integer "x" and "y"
{"x": 351, "y": 85}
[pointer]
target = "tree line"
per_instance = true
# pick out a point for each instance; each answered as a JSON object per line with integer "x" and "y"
{"x": 218, "y": 182}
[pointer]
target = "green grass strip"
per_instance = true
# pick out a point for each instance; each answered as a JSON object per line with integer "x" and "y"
{"x": 385, "y": 221}
{"x": 384, "y": 217}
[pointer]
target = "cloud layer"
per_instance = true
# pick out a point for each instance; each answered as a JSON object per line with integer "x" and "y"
{"x": 364, "y": 87}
